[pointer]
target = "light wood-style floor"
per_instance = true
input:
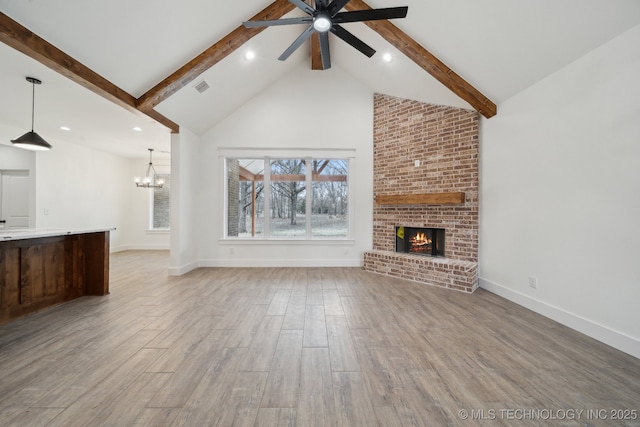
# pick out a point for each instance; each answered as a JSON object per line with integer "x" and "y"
{"x": 305, "y": 347}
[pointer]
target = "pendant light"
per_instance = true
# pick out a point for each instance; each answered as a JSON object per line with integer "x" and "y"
{"x": 149, "y": 180}
{"x": 31, "y": 140}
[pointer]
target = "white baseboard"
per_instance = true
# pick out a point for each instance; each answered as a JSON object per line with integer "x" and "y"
{"x": 615, "y": 339}
{"x": 179, "y": 271}
{"x": 281, "y": 263}
{"x": 122, "y": 248}
{"x": 275, "y": 263}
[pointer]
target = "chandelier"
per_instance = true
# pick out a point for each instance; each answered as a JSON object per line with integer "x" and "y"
{"x": 149, "y": 180}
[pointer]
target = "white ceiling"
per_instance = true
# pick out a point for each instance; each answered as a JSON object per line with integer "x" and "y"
{"x": 499, "y": 46}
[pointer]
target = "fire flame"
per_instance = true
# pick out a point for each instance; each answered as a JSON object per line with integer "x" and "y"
{"x": 419, "y": 240}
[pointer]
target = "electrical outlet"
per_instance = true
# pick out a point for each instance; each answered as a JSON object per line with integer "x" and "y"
{"x": 533, "y": 282}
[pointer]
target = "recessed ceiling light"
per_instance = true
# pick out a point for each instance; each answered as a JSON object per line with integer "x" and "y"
{"x": 65, "y": 128}
{"x": 387, "y": 57}
{"x": 249, "y": 55}
{"x": 137, "y": 129}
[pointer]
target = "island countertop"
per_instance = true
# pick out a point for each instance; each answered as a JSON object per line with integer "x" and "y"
{"x": 35, "y": 233}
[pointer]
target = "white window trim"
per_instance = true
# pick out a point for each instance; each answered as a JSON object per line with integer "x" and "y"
{"x": 162, "y": 170}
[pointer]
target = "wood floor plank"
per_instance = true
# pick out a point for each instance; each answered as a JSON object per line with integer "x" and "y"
{"x": 316, "y": 402}
{"x": 86, "y": 409}
{"x": 260, "y": 353}
{"x": 353, "y": 407}
{"x": 332, "y": 304}
{"x": 33, "y": 417}
{"x": 341, "y": 348}
{"x": 245, "y": 324}
{"x": 297, "y": 346}
{"x": 203, "y": 405}
{"x": 276, "y": 417}
{"x": 187, "y": 376}
{"x": 315, "y": 327}
{"x": 278, "y": 305}
{"x": 384, "y": 385}
{"x": 294, "y": 317}
{"x": 241, "y": 405}
{"x": 355, "y": 314}
{"x": 283, "y": 384}
{"x": 129, "y": 406}
{"x": 87, "y": 369}
{"x": 189, "y": 350}
{"x": 314, "y": 293}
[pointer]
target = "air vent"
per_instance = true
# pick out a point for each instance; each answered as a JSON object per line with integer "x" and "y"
{"x": 202, "y": 86}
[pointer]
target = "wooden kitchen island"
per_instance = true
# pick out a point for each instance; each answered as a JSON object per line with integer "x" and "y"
{"x": 40, "y": 268}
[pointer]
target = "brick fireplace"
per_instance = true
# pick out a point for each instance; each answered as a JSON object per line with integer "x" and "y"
{"x": 425, "y": 176}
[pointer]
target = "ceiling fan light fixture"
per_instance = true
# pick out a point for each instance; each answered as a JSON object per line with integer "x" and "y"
{"x": 322, "y": 22}
{"x": 326, "y": 17}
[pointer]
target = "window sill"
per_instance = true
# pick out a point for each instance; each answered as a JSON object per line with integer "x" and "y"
{"x": 158, "y": 231}
{"x": 315, "y": 242}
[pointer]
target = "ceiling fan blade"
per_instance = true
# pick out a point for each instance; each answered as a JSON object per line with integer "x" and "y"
{"x": 353, "y": 40}
{"x": 336, "y": 5}
{"x": 321, "y": 4}
{"x": 270, "y": 22}
{"x": 371, "y": 15}
{"x": 297, "y": 42}
{"x": 302, "y": 5}
{"x": 324, "y": 50}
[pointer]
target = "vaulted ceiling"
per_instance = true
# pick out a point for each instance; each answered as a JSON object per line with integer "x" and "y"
{"x": 148, "y": 55}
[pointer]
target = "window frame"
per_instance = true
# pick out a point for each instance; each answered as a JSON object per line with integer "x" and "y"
{"x": 152, "y": 196}
{"x": 268, "y": 155}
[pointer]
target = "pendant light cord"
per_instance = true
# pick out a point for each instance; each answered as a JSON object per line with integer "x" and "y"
{"x": 33, "y": 103}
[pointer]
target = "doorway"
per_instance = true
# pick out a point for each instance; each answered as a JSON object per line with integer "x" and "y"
{"x": 14, "y": 199}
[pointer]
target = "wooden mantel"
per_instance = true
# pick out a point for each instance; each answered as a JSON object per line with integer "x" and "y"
{"x": 422, "y": 199}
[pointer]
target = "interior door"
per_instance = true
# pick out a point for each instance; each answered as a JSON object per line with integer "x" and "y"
{"x": 14, "y": 200}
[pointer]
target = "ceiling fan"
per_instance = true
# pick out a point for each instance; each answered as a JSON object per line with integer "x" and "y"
{"x": 325, "y": 17}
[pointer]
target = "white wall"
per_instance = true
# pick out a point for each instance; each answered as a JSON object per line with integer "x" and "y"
{"x": 186, "y": 201}
{"x": 559, "y": 199}
{"x": 78, "y": 187}
{"x": 304, "y": 110}
{"x": 12, "y": 158}
{"x": 18, "y": 159}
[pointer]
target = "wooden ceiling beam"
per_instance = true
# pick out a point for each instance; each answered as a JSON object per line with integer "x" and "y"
{"x": 22, "y": 39}
{"x": 316, "y": 53}
{"x": 428, "y": 62}
{"x": 211, "y": 56}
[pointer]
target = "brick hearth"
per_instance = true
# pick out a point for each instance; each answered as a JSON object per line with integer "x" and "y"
{"x": 445, "y": 141}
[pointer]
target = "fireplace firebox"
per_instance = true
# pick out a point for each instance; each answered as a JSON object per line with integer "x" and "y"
{"x": 420, "y": 241}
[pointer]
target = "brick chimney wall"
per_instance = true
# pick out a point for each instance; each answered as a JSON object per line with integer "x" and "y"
{"x": 445, "y": 142}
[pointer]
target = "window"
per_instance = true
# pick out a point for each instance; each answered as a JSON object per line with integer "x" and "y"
{"x": 287, "y": 198}
{"x": 160, "y": 205}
